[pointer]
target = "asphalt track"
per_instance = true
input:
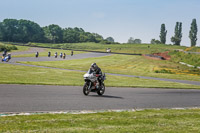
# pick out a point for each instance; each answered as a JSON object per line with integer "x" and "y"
{"x": 40, "y": 98}
{"x": 52, "y": 58}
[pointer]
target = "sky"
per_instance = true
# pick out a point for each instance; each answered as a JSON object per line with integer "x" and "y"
{"x": 120, "y": 19}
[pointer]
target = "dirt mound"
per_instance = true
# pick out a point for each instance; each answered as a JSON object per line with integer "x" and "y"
{"x": 159, "y": 56}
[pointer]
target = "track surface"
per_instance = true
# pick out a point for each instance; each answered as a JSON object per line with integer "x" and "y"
{"x": 33, "y": 98}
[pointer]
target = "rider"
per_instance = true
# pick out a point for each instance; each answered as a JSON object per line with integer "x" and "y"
{"x": 36, "y": 54}
{"x": 94, "y": 68}
{"x": 61, "y": 55}
{"x": 56, "y": 54}
{"x": 49, "y": 54}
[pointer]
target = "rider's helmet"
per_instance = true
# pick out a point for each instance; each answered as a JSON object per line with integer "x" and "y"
{"x": 93, "y": 66}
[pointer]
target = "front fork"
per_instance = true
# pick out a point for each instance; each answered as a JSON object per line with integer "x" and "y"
{"x": 90, "y": 86}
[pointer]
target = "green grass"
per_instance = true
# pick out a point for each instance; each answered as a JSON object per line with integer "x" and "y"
{"x": 14, "y": 74}
{"x": 192, "y": 59}
{"x": 120, "y": 48}
{"x": 21, "y": 48}
{"x": 193, "y": 49}
{"x": 127, "y": 64}
{"x": 164, "y": 120}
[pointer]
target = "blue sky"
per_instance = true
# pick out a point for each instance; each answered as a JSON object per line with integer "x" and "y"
{"x": 120, "y": 19}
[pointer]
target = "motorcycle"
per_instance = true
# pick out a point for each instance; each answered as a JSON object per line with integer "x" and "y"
{"x": 56, "y": 55}
{"x": 92, "y": 83}
{"x": 6, "y": 58}
{"x": 36, "y": 54}
{"x": 49, "y": 54}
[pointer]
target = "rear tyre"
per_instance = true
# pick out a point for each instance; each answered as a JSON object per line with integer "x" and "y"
{"x": 85, "y": 89}
{"x": 101, "y": 91}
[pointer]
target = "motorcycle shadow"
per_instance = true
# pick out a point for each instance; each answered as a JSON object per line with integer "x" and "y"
{"x": 106, "y": 96}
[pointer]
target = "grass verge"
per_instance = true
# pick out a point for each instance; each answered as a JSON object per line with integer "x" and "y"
{"x": 164, "y": 120}
{"x": 119, "y": 48}
{"x": 192, "y": 59}
{"x": 13, "y": 74}
{"x": 130, "y": 65}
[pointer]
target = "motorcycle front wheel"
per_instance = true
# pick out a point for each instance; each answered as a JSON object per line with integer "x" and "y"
{"x": 101, "y": 90}
{"x": 86, "y": 89}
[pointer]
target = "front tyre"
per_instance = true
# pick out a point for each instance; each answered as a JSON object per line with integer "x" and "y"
{"x": 86, "y": 89}
{"x": 101, "y": 90}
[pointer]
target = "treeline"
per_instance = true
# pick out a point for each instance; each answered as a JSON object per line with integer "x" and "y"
{"x": 24, "y": 31}
{"x": 176, "y": 39}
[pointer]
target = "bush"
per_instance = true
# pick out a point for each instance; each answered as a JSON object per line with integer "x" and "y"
{"x": 164, "y": 71}
{"x": 7, "y": 47}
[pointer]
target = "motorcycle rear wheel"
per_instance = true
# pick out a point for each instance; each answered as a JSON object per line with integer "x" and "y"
{"x": 101, "y": 91}
{"x": 85, "y": 89}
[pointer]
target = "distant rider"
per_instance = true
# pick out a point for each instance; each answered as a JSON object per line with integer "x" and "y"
{"x": 56, "y": 54}
{"x": 64, "y": 55}
{"x": 95, "y": 69}
{"x": 61, "y": 55}
{"x": 4, "y": 53}
{"x": 36, "y": 54}
{"x": 72, "y": 52}
{"x": 49, "y": 54}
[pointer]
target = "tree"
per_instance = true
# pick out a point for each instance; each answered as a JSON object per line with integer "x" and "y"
{"x": 21, "y": 31}
{"x": 137, "y": 41}
{"x": 69, "y": 35}
{"x": 154, "y": 41}
{"x": 163, "y": 34}
{"x": 193, "y": 33}
{"x": 10, "y": 29}
{"x": 91, "y": 37}
{"x": 1, "y": 32}
{"x": 110, "y": 39}
{"x": 75, "y": 35}
{"x": 98, "y": 38}
{"x": 176, "y": 39}
{"x": 28, "y": 31}
{"x": 131, "y": 40}
{"x": 53, "y": 33}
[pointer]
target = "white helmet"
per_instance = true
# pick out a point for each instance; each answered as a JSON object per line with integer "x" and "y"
{"x": 94, "y": 66}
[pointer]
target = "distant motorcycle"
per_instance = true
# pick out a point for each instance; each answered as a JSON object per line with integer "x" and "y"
{"x": 61, "y": 55}
{"x": 55, "y": 55}
{"x": 72, "y": 53}
{"x": 36, "y": 54}
{"x": 92, "y": 84}
{"x": 49, "y": 54}
{"x": 6, "y": 58}
{"x": 64, "y": 55}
